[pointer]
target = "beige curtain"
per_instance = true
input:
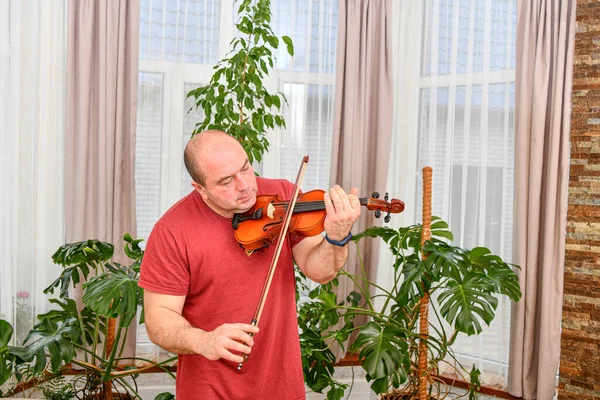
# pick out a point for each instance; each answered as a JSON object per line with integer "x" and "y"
{"x": 363, "y": 113}
{"x": 102, "y": 63}
{"x": 545, "y": 41}
{"x": 102, "y": 67}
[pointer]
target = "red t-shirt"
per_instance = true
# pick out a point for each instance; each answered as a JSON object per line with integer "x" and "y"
{"x": 192, "y": 252}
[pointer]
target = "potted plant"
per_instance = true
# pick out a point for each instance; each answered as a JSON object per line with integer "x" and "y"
{"x": 400, "y": 348}
{"x": 110, "y": 298}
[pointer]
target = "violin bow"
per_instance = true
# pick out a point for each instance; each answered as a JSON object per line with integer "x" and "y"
{"x": 278, "y": 247}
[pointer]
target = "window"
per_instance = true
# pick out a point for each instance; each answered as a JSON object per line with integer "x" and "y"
{"x": 455, "y": 113}
{"x": 180, "y": 42}
{"x": 32, "y": 98}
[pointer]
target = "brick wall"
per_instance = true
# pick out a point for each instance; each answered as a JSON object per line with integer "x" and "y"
{"x": 580, "y": 345}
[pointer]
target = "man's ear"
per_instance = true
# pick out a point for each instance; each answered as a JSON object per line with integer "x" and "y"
{"x": 199, "y": 188}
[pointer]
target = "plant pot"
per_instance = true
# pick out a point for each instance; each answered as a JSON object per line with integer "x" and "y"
{"x": 405, "y": 395}
{"x": 100, "y": 396}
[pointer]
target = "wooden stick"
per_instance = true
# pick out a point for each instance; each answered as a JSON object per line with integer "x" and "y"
{"x": 279, "y": 246}
{"x": 424, "y": 303}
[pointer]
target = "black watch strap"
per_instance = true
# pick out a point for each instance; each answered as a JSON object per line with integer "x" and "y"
{"x": 342, "y": 242}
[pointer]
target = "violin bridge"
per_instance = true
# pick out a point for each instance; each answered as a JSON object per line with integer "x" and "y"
{"x": 271, "y": 211}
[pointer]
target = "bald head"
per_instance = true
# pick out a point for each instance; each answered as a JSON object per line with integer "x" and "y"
{"x": 201, "y": 144}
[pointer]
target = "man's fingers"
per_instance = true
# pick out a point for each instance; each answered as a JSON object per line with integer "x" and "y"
{"x": 329, "y": 207}
{"x": 225, "y": 354}
{"x": 245, "y": 327}
{"x": 235, "y": 345}
{"x": 338, "y": 199}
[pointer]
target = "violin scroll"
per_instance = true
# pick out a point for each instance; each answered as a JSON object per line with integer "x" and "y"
{"x": 373, "y": 203}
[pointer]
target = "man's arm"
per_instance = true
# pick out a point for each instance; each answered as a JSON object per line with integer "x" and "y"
{"x": 318, "y": 259}
{"x": 167, "y": 328}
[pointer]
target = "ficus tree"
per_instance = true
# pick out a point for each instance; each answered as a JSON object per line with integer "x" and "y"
{"x": 236, "y": 100}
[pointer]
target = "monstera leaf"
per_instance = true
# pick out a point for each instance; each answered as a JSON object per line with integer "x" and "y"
{"x": 134, "y": 251}
{"x": 56, "y": 338}
{"x": 6, "y": 358}
{"x": 383, "y": 350}
{"x": 390, "y": 236}
{"x": 415, "y": 279}
{"x": 78, "y": 258}
{"x": 464, "y": 303}
{"x": 445, "y": 261}
{"x": 68, "y": 313}
{"x": 113, "y": 294}
{"x": 500, "y": 274}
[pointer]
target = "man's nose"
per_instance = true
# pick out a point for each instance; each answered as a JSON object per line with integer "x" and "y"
{"x": 241, "y": 183}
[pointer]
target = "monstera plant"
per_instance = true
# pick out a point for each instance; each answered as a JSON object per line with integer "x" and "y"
{"x": 461, "y": 287}
{"x": 93, "y": 337}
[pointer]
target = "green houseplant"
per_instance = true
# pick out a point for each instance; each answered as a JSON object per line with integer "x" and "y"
{"x": 110, "y": 298}
{"x": 236, "y": 100}
{"x": 461, "y": 286}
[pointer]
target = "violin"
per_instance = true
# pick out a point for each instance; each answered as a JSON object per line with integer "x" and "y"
{"x": 261, "y": 225}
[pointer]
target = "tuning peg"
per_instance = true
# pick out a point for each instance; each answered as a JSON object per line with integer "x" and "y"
{"x": 387, "y": 218}
{"x": 377, "y": 213}
{"x": 375, "y": 195}
{"x": 386, "y": 198}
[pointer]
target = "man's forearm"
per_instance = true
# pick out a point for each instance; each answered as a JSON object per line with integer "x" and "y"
{"x": 174, "y": 333}
{"x": 324, "y": 261}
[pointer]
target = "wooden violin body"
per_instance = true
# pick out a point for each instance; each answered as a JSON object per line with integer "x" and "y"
{"x": 261, "y": 226}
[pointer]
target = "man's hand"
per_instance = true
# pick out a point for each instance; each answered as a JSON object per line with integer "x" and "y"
{"x": 167, "y": 328}
{"x": 343, "y": 210}
{"x": 227, "y": 338}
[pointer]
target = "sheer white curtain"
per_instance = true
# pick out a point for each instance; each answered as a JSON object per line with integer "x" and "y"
{"x": 454, "y": 76}
{"x": 180, "y": 42}
{"x": 32, "y": 97}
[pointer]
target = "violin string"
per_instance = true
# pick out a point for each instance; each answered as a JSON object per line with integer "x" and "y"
{"x": 313, "y": 205}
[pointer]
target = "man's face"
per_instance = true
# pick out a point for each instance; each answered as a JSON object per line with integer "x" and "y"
{"x": 229, "y": 180}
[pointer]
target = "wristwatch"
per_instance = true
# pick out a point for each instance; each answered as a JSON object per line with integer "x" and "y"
{"x": 342, "y": 242}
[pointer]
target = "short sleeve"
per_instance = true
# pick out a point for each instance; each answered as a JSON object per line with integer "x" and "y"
{"x": 164, "y": 269}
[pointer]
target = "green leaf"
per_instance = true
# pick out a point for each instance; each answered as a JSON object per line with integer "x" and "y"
{"x": 6, "y": 331}
{"x": 78, "y": 258}
{"x": 290, "y": 46}
{"x": 6, "y": 359}
{"x": 56, "y": 339}
{"x": 414, "y": 273}
{"x": 499, "y": 273}
{"x": 287, "y": 40}
{"x": 353, "y": 298}
{"x": 273, "y": 41}
{"x": 132, "y": 247}
{"x": 67, "y": 313}
{"x": 263, "y": 67}
{"x": 464, "y": 304}
{"x": 257, "y": 122}
{"x": 474, "y": 384}
{"x": 382, "y": 349}
{"x": 328, "y": 298}
{"x": 377, "y": 231}
{"x": 276, "y": 101}
{"x": 446, "y": 261}
{"x": 113, "y": 294}
{"x": 164, "y": 396}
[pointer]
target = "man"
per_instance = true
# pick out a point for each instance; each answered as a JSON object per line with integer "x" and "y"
{"x": 202, "y": 289}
